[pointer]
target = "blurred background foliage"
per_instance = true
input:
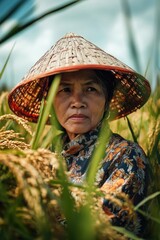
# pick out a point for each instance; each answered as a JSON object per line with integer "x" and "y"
{"x": 26, "y": 17}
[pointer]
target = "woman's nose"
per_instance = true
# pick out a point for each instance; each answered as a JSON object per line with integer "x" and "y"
{"x": 78, "y": 100}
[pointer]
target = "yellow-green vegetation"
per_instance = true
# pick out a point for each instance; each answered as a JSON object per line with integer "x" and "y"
{"x": 145, "y": 129}
{"x": 36, "y": 197}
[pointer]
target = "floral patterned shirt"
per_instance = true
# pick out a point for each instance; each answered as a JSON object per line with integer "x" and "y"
{"x": 123, "y": 169}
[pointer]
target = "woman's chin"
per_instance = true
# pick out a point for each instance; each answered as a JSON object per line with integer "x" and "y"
{"x": 78, "y": 130}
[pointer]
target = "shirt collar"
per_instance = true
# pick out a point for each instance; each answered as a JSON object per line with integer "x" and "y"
{"x": 80, "y": 141}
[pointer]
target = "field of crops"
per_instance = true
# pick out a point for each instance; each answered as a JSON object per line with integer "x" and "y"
{"x": 36, "y": 196}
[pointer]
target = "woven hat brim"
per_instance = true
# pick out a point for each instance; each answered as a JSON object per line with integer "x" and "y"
{"x": 131, "y": 93}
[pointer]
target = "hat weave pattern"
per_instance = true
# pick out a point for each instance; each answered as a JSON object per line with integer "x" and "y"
{"x": 71, "y": 53}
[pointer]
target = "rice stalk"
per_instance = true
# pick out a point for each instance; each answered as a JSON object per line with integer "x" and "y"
{"x": 20, "y": 121}
{"x": 6, "y": 62}
{"x": 154, "y": 136}
{"x": 131, "y": 130}
{"x": 33, "y": 171}
{"x": 31, "y": 184}
{"x": 11, "y": 140}
{"x": 27, "y": 178}
{"x": 45, "y": 162}
{"x": 4, "y": 109}
{"x": 44, "y": 112}
{"x": 98, "y": 153}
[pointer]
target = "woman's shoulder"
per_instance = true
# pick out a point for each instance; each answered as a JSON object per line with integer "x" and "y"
{"x": 120, "y": 144}
{"x": 124, "y": 154}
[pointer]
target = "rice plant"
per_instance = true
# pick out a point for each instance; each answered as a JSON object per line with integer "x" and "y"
{"x": 145, "y": 129}
{"x": 37, "y": 196}
{"x": 37, "y": 200}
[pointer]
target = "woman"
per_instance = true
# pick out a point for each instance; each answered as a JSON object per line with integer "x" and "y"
{"x": 94, "y": 87}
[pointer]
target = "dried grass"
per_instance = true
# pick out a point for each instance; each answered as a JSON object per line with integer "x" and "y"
{"x": 22, "y": 122}
{"x": 38, "y": 197}
{"x": 9, "y": 139}
{"x": 153, "y": 134}
{"x": 33, "y": 169}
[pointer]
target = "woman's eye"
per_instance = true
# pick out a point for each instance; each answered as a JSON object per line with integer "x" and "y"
{"x": 65, "y": 89}
{"x": 91, "y": 89}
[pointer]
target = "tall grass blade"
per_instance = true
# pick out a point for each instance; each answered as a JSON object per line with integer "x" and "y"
{"x": 76, "y": 223}
{"x": 126, "y": 233}
{"x": 148, "y": 216}
{"x": 157, "y": 36}
{"x": 44, "y": 112}
{"x": 131, "y": 130}
{"x": 150, "y": 197}
{"x": 6, "y": 62}
{"x": 80, "y": 217}
{"x": 20, "y": 27}
{"x": 11, "y": 11}
{"x": 131, "y": 39}
{"x": 98, "y": 153}
{"x": 66, "y": 201}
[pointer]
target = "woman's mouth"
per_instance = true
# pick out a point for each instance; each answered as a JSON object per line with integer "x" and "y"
{"x": 78, "y": 117}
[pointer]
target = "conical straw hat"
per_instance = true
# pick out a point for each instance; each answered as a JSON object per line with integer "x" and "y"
{"x": 73, "y": 52}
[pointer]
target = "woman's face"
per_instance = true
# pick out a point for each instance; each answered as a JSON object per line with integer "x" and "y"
{"x": 80, "y": 102}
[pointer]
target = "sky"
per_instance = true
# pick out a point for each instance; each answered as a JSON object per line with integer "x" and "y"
{"x": 100, "y": 21}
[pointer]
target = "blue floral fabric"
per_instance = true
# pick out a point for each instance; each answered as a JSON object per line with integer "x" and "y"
{"x": 123, "y": 169}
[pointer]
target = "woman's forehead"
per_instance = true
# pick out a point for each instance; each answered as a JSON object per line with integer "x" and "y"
{"x": 82, "y": 75}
